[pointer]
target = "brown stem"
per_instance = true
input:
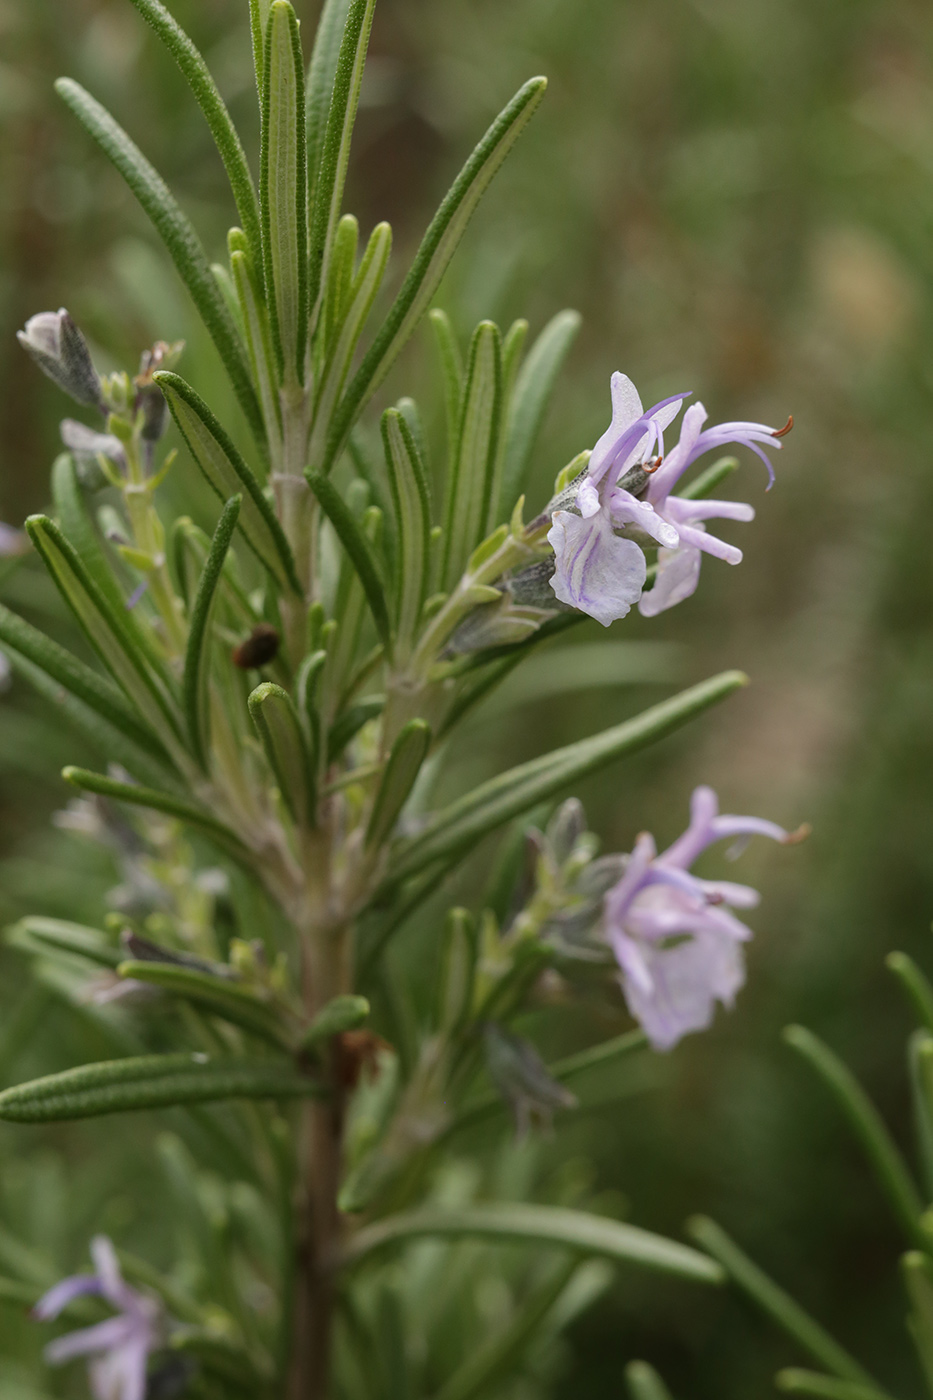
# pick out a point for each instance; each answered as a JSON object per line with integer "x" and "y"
{"x": 319, "y": 1219}
{"x": 320, "y": 1240}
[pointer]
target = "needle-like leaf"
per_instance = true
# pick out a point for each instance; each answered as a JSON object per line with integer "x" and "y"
{"x": 470, "y": 480}
{"x": 402, "y": 768}
{"x": 148, "y": 1081}
{"x": 205, "y": 92}
{"x": 437, "y": 248}
{"x": 140, "y": 796}
{"x": 551, "y": 1226}
{"x": 532, "y": 394}
{"x": 408, "y": 480}
{"x": 177, "y": 233}
{"x": 496, "y": 802}
{"x": 215, "y": 995}
{"x": 220, "y": 461}
{"x": 283, "y": 195}
{"x": 197, "y": 656}
{"x": 358, "y": 549}
{"x": 320, "y": 85}
{"x": 21, "y": 639}
{"x": 279, "y": 728}
{"x": 772, "y": 1299}
{"x": 109, "y": 632}
{"x": 329, "y": 180}
{"x": 867, "y": 1124}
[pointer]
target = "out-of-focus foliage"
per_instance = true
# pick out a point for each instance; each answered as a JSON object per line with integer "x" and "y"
{"x": 738, "y": 195}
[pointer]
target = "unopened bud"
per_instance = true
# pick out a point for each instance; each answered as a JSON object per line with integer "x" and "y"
{"x": 258, "y": 649}
{"x": 85, "y": 444}
{"x": 60, "y": 350}
{"x": 149, "y": 398}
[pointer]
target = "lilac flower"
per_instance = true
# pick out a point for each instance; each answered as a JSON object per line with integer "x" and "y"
{"x": 602, "y": 573}
{"x": 676, "y": 940}
{"x": 679, "y": 567}
{"x": 120, "y": 1346}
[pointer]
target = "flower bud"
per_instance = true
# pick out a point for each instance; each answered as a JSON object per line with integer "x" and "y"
{"x": 149, "y": 398}
{"x": 521, "y": 1077}
{"x": 85, "y": 445}
{"x": 60, "y": 350}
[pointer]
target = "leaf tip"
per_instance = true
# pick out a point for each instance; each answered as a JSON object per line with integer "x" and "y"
{"x": 72, "y": 775}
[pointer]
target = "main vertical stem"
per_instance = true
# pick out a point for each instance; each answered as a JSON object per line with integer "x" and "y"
{"x": 319, "y": 1223}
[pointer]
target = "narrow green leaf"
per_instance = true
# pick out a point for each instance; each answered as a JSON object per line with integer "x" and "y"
{"x": 644, "y": 1383}
{"x": 360, "y": 297}
{"x": 216, "y": 995}
{"x": 571, "y": 1066}
{"x": 778, "y": 1305}
{"x": 114, "y": 640}
{"x": 920, "y": 1065}
{"x": 404, "y": 764}
{"x": 205, "y": 92}
{"x": 62, "y": 936}
{"x": 550, "y": 1226}
{"x": 533, "y": 389}
{"x": 147, "y": 1081}
{"x": 77, "y": 526}
{"x": 279, "y": 728}
{"x": 452, "y": 369}
{"x": 109, "y": 742}
{"x": 470, "y": 481}
{"x": 705, "y": 484}
{"x": 197, "y": 657}
{"x": 348, "y": 724}
{"x": 258, "y": 18}
{"x": 357, "y": 548}
{"x": 258, "y": 336}
{"x": 320, "y": 85}
{"x": 408, "y": 481}
{"x": 512, "y": 349}
{"x": 868, "y": 1126}
{"x": 918, "y": 1281}
{"x": 283, "y": 191}
{"x": 219, "y": 460}
{"x": 339, "y": 277}
{"x": 335, "y": 147}
{"x": 98, "y": 693}
{"x": 437, "y": 248}
{"x": 343, "y": 1013}
{"x": 915, "y": 983}
{"x": 497, "y": 1358}
{"x": 140, "y": 796}
{"x": 502, "y": 798}
{"x": 176, "y": 231}
{"x": 800, "y": 1382}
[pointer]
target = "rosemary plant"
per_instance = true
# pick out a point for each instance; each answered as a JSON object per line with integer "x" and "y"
{"x": 276, "y": 696}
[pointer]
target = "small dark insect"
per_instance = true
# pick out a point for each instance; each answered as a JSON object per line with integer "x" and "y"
{"x": 259, "y": 648}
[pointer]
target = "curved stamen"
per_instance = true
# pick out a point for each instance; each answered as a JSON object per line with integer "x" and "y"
{"x": 782, "y": 432}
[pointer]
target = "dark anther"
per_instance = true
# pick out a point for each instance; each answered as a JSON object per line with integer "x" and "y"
{"x": 259, "y": 648}
{"x": 649, "y": 468}
{"x": 782, "y": 432}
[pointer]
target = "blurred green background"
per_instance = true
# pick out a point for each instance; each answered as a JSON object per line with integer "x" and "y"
{"x": 738, "y": 196}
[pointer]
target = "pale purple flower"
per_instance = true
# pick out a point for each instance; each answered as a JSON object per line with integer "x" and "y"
{"x": 603, "y": 574}
{"x": 679, "y": 566}
{"x": 675, "y": 938}
{"x": 120, "y": 1347}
